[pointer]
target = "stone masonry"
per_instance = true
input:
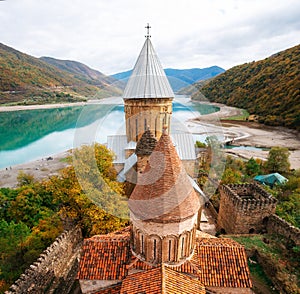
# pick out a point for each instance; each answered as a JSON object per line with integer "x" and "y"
{"x": 244, "y": 209}
{"x": 55, "y": 269}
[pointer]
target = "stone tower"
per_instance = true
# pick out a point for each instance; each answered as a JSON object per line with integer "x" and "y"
{"x": 163, "y": 208}
{"x": 148, "y": 96}
{"x": 244, "y": 209}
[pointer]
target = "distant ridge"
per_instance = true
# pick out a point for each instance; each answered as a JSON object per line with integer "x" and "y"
{"x": 81, "y": 71}
{"x": 268, "y": 88}
{"x": 25, "y": 79}
{"x": 180, "y": 78}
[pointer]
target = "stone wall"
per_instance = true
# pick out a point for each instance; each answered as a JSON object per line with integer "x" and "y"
{"x": 244, "y": 209}
{"x": 143, "y": 113}
{"x": 276, "y": 225}
{"x": 55, "y": 269}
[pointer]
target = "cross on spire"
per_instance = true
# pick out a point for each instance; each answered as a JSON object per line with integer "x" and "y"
{"x": 148, "y": 31}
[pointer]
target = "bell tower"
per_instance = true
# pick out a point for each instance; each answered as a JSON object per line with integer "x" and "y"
{"x": 148, "y": 95}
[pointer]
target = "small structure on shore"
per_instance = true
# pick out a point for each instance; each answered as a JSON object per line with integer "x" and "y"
{"x": 271, "y": 179}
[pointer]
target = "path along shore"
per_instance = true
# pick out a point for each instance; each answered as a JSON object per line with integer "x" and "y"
{"x": 245, "y": 134}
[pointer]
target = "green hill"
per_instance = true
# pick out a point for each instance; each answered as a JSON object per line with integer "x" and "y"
{"x": 28, "y": 80}
{"x": 268, "y": 88}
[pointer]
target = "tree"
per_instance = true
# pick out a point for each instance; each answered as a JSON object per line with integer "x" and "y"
{"x": 24, "y": 179}
{"x": 231, "y": 176}
{"x": 278, "y": 160}
{"x": 252, "y": 167}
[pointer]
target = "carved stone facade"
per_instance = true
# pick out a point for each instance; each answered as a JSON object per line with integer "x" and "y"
{"x": 159, "y": 243}
{"x": 244, "y": 209}
{"x": 141, "y": 114}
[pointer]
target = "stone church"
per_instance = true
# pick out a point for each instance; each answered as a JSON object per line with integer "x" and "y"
{"x": 162, "y": 251}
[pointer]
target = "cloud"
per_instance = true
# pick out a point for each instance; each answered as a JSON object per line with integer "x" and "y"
{"x": 107, "y": 35}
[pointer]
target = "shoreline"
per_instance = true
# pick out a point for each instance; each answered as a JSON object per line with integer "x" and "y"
{"x": 110, "y": 100}
{"x": 42, "y": 168}
{"x": 245, "y": 134}
{"x": 40, "y": 106}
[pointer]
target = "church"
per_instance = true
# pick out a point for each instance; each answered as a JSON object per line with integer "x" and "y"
{"x": 162, "y": 251}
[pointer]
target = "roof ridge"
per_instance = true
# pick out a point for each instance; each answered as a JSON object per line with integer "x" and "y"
{"x": 163, "y": 282}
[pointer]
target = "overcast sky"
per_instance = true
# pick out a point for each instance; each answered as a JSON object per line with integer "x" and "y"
{"x": 108, "y": 34}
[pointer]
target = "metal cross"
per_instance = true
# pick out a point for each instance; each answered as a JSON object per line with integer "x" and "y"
{"x": 148, "y": 30}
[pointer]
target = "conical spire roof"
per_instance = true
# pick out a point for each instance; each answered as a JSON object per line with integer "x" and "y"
{"x": 164, "y": 192}
{"x": 148, "y": 79}
{"x": 146, "y": 144}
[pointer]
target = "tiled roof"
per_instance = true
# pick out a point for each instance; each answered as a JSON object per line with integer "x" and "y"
{"x": 220, "y": 263}
{"x": 161, "y": 280}
{"x": 104, "y": 258}
{"x": 164, "y": 192}
{"x": 148, "y": 79}
{"x": 146, "y": 144}
{"x": 138, "y": 264}
{"x": 216, "y": 262}
{"x": 115, "y": 289}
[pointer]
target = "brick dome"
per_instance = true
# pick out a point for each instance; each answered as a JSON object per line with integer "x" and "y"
{"x": 163, "y": 192}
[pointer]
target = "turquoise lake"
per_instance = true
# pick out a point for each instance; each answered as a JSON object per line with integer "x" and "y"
{"x": 28, "y": 135}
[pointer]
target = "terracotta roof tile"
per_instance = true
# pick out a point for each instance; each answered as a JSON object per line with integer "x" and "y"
{"x": 139, "y": 264}
{"x": 220, "y": 263}
{"x": 146, "y": 144}
{"x": 104, "y": 258}
{"x": 164, "y": 192}
{"x": 115, "y": 289}
{"x": 216, "y": 262}
{"x": 161, "y": 280}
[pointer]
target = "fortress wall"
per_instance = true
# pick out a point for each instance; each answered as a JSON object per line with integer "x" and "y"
{"x": 277, "y": 225}
{"x": 55, "y": 269}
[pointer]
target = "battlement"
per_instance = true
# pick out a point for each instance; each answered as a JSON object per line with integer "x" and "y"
{"x": 248, "y": 196}
{"x": 244, "y": 208}
{"x": 54, "y": 269}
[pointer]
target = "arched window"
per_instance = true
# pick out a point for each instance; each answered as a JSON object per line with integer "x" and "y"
{"x": 142, "y": 244}
{"x": 222, "y": 231}
{"x": 170, "y": 250}
{"x": 154, "y": 249}
{"x": 182, "y": 247}
{"x": 136, "y": 129}
{"x": 251, "y": 231}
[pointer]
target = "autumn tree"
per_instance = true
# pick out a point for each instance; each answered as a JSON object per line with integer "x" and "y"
{"x": 278, "y": 160}
{"x": 252, "y": 167}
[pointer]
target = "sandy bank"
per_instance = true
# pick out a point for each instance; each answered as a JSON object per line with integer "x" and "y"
{"x": 249, "y": 134}
{"x": 110, "y": 100}
{"x": 40, "y": 169}
{"x": 44, "y": 106}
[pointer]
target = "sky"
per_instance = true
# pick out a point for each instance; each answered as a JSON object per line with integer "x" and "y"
{"x": 108, "y": 35}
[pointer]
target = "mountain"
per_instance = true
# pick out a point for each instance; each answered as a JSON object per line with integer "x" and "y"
{"x": 81, "y": 71}
{"x": 180, "y": 78}
{"x": 268, "y": 88}
{"x": 29, "y": 80}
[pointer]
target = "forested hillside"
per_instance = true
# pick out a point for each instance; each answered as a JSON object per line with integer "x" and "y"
{"x": 30, "y": 80}
{"x": 268, "y": 88}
